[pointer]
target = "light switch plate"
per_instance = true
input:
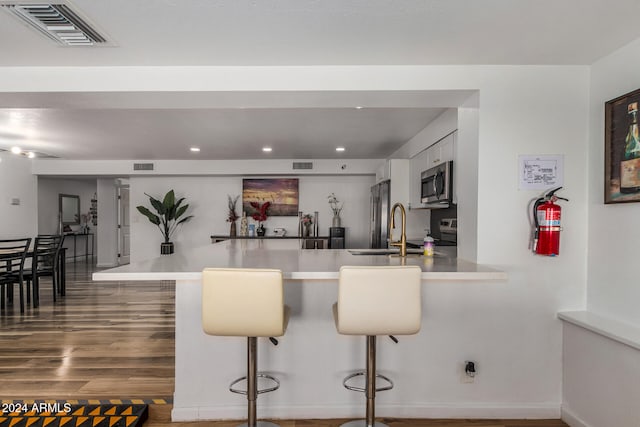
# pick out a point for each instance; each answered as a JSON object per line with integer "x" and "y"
{"x": 15, "y": 201}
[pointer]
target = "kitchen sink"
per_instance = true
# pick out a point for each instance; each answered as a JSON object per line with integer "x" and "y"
{"x": 410, "y": 251}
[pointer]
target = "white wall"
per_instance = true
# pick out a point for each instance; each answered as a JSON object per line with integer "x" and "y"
{"x": 107, "y": 234}
{"x": 17, "y": 182}
{"x": 207, "y": 198}
{"x": 509, "y": 328}
{"x": 49, "y": 190}
{"x": 601, "y": 384}
{"x": 613, "y": 288}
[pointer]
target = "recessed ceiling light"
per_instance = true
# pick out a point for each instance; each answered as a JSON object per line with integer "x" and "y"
{"x": 359, "y": 107}
{"x": 16, "y": 150}
{"x": 340, "y": 149}
{"x": 266, "y": 149}
{"x": 195, "y": 149}
{"x": 31, "y": 154}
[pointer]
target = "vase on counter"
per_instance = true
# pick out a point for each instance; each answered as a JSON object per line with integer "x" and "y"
{"x": 307, "y": 229}
{"x": 335, "y": 222}
{"x": 232, "y": 229}
{"x": 244, "y": 225}
{"x": 261, "y": 231}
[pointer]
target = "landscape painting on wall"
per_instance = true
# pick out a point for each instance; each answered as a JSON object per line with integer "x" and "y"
{"x": 622, "y": 149}
{"x": 281, "y": 192}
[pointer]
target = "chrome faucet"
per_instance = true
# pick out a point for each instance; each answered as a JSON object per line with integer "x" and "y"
{"x": 402, "y": 243}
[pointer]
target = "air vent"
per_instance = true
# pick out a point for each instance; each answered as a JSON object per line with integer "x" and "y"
{"x": 303, "y": 165}
{"x": 143, "y": 166}
{"x": 58, "y": 22}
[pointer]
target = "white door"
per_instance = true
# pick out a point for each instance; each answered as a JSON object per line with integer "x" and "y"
{"x": 123, "y": 225}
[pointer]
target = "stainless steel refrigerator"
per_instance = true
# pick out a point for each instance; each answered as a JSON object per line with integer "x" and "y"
{"x": 379, "y": 221}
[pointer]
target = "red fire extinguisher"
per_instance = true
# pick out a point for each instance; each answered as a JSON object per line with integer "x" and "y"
{"x": 546, "y": 218}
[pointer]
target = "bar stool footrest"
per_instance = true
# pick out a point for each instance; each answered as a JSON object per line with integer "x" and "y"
{"x": 362, "y": 389}
{"x": 264, "y": 390}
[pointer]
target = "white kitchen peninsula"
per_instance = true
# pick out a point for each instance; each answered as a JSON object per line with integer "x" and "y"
{"x": 312, "y": 358}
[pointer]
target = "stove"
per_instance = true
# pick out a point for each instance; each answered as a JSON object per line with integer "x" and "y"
{"x": 448, "y": 232}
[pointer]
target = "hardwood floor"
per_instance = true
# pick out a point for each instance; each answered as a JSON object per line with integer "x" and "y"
{"x": 103, "y": 340}
{"x": 115, "y": 340}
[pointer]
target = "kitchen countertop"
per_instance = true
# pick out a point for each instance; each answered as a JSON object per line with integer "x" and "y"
{"x": 310, "y": 289}
{"x": 295, "y": 263}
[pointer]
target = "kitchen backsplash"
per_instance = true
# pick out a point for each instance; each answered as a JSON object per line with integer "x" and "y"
{"x": 438, "y": 214}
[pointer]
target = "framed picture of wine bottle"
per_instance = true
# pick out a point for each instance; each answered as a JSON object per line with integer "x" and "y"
{"x": 622, "y": 149}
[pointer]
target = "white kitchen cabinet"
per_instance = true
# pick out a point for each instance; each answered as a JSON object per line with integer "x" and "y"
{"x": 417, "y": 164}
{"x": 397, "y": 170}
{"x": 399, "y": 174}
{"x": 442, "y": 151}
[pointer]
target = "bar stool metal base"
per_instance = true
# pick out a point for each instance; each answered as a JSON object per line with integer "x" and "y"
{"x": 363, "y": 389}
{"x": 252, "y": 386}
{"x": 370, "y": 387}
{"x": 362, "y": 423}
{"x": 258, "y": 391}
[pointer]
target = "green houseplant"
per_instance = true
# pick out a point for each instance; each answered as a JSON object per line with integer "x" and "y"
{"x": 170, "y": 216}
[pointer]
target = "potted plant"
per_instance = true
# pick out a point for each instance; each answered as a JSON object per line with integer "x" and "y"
{"x": 260, "y": 215}
{"x": 170, "y": 216}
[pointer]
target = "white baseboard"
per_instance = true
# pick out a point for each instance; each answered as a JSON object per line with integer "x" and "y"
{"x": 440, "y": 410}
{"x": 572, "y": 419}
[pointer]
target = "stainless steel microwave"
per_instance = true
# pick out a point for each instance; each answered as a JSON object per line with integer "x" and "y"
{"x": 437, "y": 184}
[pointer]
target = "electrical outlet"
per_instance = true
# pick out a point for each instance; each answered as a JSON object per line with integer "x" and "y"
{"x": 468, "y": 372}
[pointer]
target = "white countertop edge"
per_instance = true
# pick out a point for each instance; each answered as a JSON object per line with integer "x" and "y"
{"x": 624, "y": 333}
{"x": 131, "y": 276}
{"x": 331, "y": 275}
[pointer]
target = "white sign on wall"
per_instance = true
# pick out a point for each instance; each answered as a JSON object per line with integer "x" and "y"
{"x": 540, "y": 172}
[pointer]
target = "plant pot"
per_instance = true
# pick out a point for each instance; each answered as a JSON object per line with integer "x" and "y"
{"x": 261, "y": 231}
{"x": 166, "y": 248}
{"x": 232, "y": 230}
{"x": 335, "y": 222}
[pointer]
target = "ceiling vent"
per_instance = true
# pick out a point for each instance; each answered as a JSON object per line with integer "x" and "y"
{"x": 143, "y": 166}
{"x": 58, "y": 22}
{"x": 303, "y": 165}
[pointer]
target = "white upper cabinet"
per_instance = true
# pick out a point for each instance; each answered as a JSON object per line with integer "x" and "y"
{"x": 417, "y": 164}
{"x": 398, "y": 171}
{"x": 442, "y": 151}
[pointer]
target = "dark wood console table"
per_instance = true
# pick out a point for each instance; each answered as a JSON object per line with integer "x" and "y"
{"x": 88, "y": 249}
{"x": 310, "y": 242}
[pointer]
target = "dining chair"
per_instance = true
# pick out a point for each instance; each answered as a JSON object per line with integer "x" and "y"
{"x": 13, "y": 253}
{"x": 44, "y": 263}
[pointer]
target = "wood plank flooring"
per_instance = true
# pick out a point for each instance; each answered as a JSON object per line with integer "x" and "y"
{"x": 103, "y": 340}
{"x": 115, "y": 340}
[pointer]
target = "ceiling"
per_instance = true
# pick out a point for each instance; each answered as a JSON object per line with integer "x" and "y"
{"x": 286, "y": 32}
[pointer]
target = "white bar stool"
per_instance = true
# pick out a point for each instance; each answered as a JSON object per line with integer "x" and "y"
{"x": 376, "y": 301}
{"x": 246, "y": 303}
